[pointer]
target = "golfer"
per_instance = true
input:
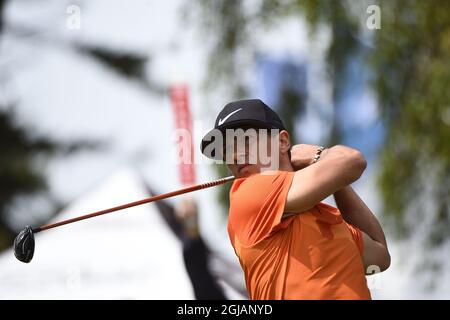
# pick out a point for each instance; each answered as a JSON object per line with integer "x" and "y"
{"x": 291, "y": 245}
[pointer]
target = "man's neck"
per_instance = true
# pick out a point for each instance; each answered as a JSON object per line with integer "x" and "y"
{"x": 286, "y": 166}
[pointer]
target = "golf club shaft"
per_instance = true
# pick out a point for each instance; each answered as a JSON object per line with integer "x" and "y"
{"x": 136, "y": 203}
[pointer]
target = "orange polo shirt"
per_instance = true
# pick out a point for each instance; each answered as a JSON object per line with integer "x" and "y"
{"x": 311, "y": 255}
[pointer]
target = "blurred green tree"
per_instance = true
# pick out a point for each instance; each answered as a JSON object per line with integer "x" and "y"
{"x": 412, "y": 78}
{"x": 409, "y": 60}
{"x": 18, "y": 175}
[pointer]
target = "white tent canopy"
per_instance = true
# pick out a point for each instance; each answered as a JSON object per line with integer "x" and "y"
{"x": 130, "y": 254}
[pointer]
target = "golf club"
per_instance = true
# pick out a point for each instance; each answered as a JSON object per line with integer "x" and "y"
{"x": 24, "y": 242}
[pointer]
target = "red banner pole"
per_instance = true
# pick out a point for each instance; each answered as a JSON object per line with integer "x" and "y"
{"x": 179, "y": 95}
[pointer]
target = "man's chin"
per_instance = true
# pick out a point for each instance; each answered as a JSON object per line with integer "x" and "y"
{"x": 247, "y": 171}
{"x": 244, "y": 175}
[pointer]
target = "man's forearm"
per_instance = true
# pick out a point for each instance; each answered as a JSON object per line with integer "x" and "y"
{"x": 356, "y": 212}
{"x": 302, "y": 156}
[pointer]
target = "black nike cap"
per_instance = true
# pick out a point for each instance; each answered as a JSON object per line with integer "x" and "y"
{"x": 252, "y": 113}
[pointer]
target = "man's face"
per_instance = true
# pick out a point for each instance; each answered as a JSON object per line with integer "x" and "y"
{"x": 249, "y": 151}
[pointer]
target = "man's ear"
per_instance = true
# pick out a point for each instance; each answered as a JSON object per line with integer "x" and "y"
{"x": 285, "y": 142}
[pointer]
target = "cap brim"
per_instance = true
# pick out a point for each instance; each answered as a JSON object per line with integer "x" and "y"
{"x": 207, "y": 140}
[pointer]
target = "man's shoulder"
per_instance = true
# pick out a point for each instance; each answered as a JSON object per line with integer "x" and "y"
{"x": 257, "y": 180}
{"x": 248, "y": 195}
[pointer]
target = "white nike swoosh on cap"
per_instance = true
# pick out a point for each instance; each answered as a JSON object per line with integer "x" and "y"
{"x": 221, "y": 121}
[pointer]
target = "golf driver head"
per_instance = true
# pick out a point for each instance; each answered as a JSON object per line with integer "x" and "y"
{"x": 24, "y": 245}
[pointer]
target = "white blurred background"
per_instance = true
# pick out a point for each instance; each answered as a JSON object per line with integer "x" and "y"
{"x": 95, "y": 75}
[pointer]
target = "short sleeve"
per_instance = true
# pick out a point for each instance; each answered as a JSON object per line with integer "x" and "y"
{"x": 257, "y": 204}
{"x": 357, "y": 237}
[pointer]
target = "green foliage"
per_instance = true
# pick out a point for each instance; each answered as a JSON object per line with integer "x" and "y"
{"x": 412, "y": 76}
{"x": 226, "y": 20}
